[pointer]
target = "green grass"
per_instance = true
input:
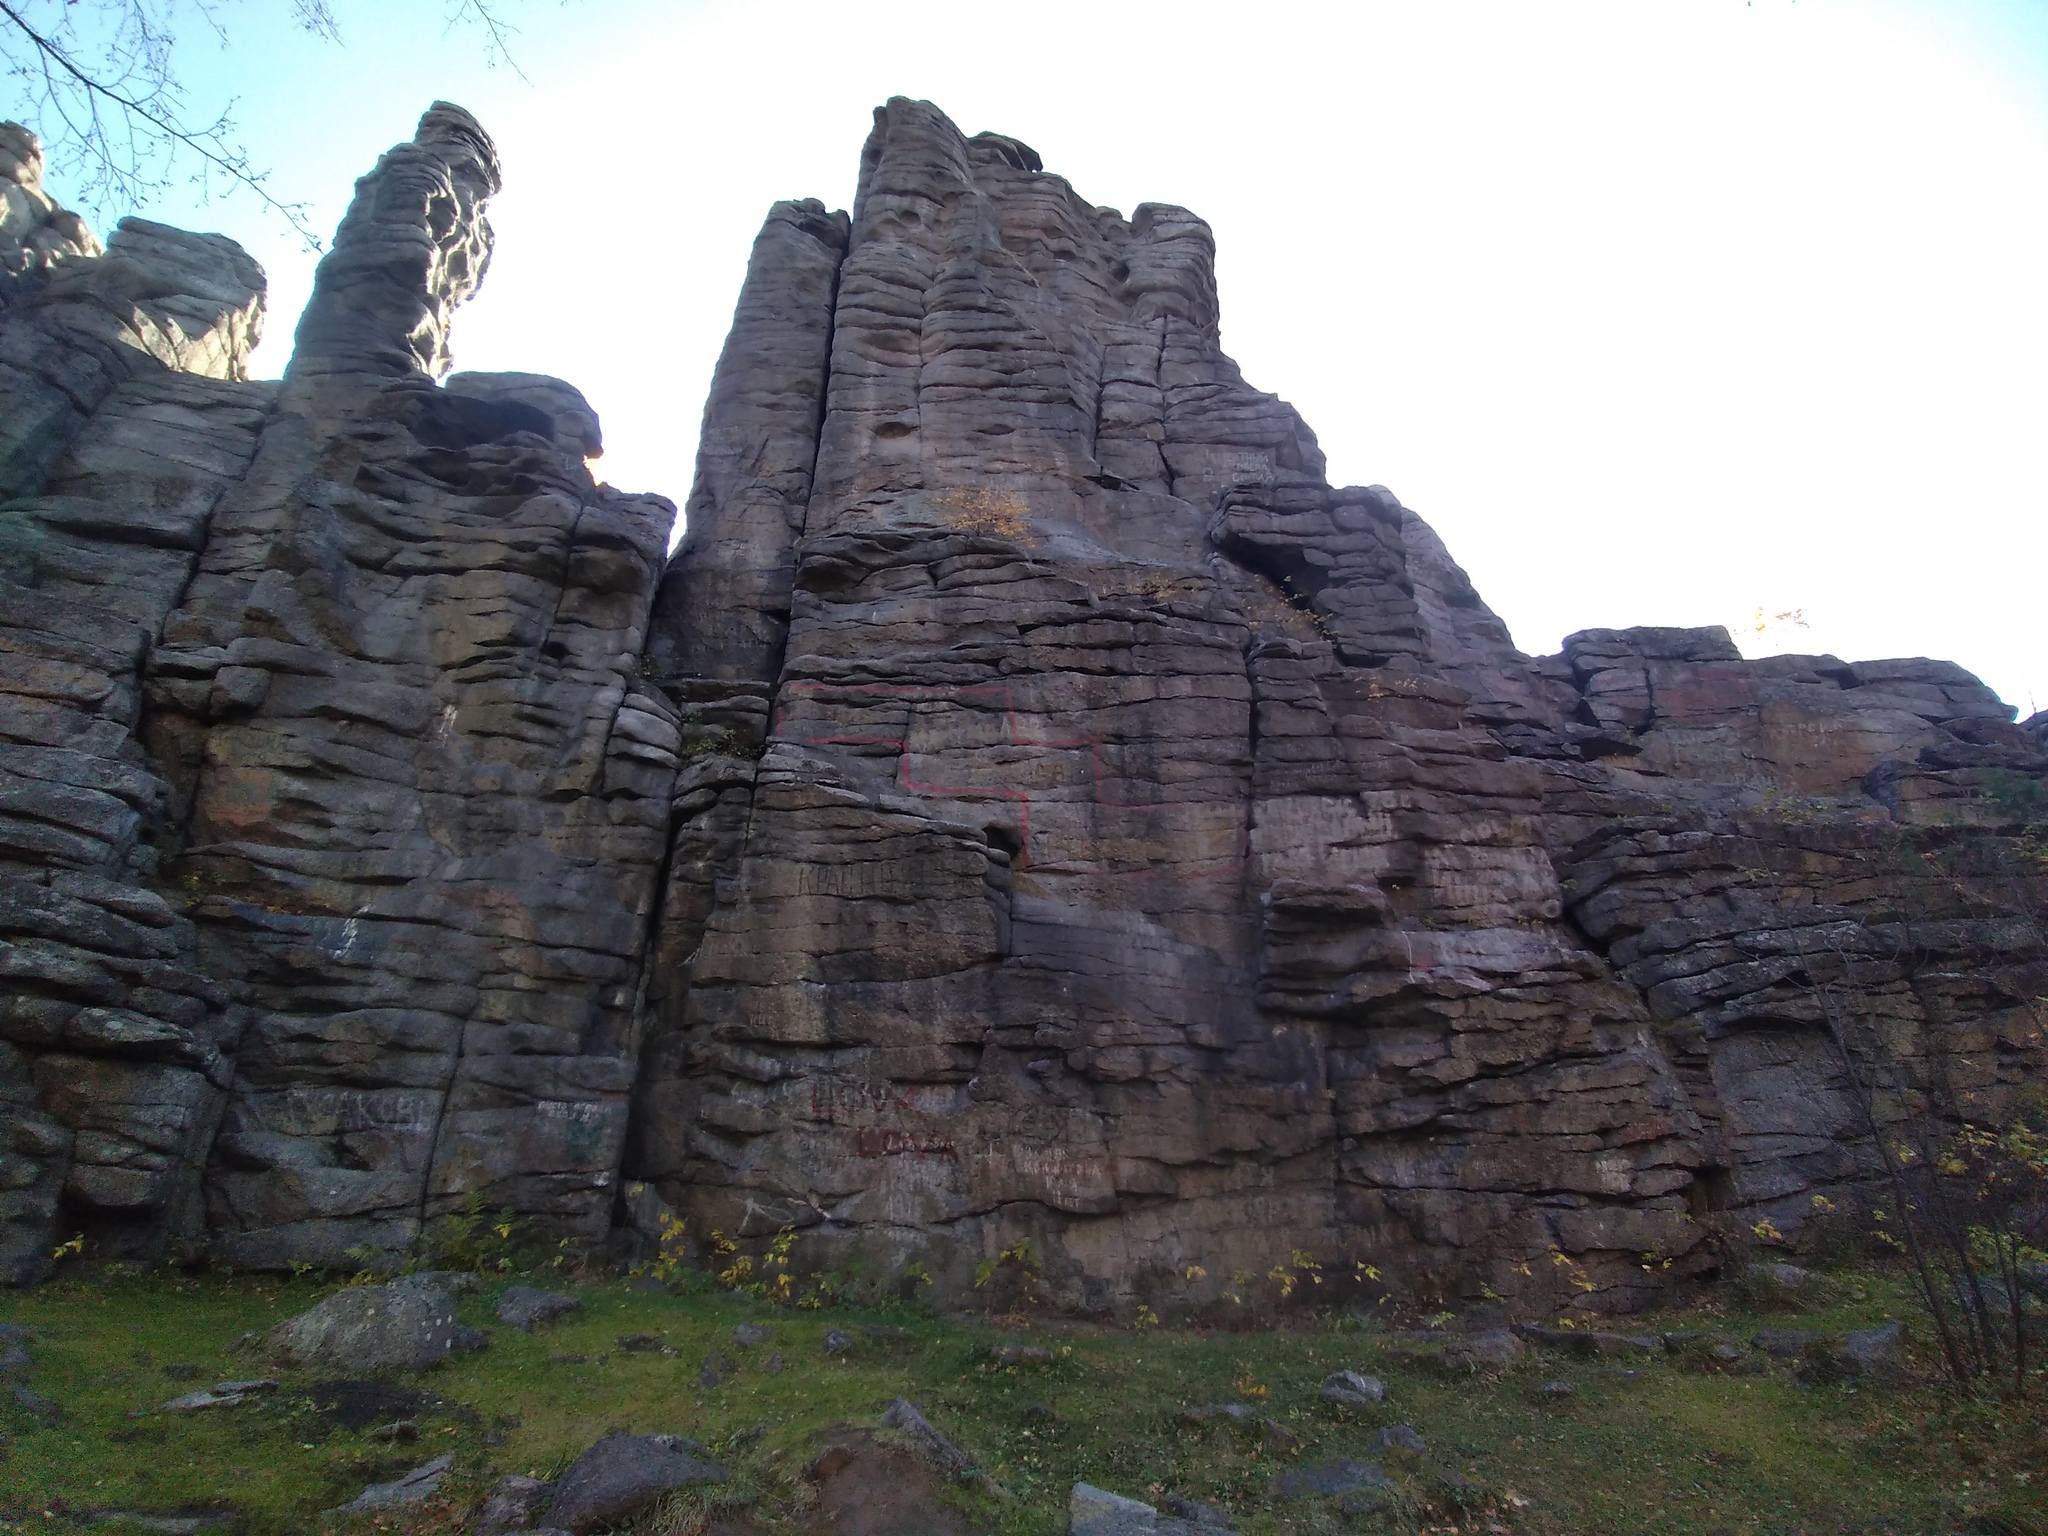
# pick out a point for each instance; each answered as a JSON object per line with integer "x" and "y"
{"x": 1665, "y": 1451}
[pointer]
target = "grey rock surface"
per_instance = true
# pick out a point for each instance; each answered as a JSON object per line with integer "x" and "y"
{"x": 1494, "y": 1349}
{"x": 1402, "y": 1439}
{"x": 373, "y": 1328}
{"x": 1093, "y": 1511}
{"x": 1354, "y": 1389}
{"x": 1784, "y": 1343}
{"x": 1032, "y": 811}
{"x": 514, "y": 1503}
{"x": 527, "y": 1308}
{"x": 225, "y": 1394}
{"x": 1328, "y": 1479}
{"x": 16, "y": 1357}
{"x": 1591, "y": 1341}
{"x": 416, "y": 1486}
{"x": 1877, "y": 1353}
{"x": 620, "y": 1476}
{"x": 907, "y": 1419}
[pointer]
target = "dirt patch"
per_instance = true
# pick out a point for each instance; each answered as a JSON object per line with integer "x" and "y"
{"x": 869, "y": 1487}
{"x": 358, "y": 1405}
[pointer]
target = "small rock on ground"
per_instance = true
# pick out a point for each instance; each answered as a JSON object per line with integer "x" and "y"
{"x": 1194, "y": 1510}
{"x": 620, "y": 1476}
{"x": 1783, "y": 1343}
{"x": 1784, "y": 1285}
{"x": 1401, "y": 1437}
{"x": 1354, "y": 1389}
{"x": 224, "y": 1394}
{"x": 1020, "y": 1354}
{"x": 1329, "y": 1479}
{"x": 513, "y": 1505}
{"x": 903, "y": 1416}
{"x": 404, "y": 1326}
{"x": 1494, "y": 1350}
{"x": 1093, "y": 1511}
{"x": 747, "y": 1335}
{"x": 15, "y": 1358}
{"x": 420, "y": 1483}
{"x": 526, "y": 1308}
{"x": 837, "y": 1341}
{"x": 1203, "y": 1413}
{"x": 1591, "y": 1341}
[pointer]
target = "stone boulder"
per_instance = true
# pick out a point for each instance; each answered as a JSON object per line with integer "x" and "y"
{"x": 1093, "y": 1511}
{"x": 525, "y": 1308}
{"x": 620, "y": 1476}
{"x": 374, "y": 1328}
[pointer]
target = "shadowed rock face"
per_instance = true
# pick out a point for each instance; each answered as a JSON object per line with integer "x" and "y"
{"x": 336, "y": 807}
{"x": 1032, "y": 805}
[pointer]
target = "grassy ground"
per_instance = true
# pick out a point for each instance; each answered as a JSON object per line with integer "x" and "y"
{"x": 1663, "y": 1450}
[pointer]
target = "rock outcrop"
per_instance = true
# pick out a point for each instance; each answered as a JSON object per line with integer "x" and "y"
{"x": 1034, "y": 820}
{"x": 335, "y": 807}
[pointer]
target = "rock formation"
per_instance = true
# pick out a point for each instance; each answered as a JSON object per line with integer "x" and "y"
{"x": 1033, "y": 818}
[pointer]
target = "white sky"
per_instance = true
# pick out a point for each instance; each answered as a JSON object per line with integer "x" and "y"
{"x": 1659, "y": 312}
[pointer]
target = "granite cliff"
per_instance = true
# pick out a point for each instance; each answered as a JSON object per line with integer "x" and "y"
{"x": 1032, "y": 805}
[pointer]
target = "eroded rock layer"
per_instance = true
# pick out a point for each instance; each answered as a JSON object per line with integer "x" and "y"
{"x": 335, "y": 807}
{"x": 1034, "y": 821}
{"x": 1163, "y": 856}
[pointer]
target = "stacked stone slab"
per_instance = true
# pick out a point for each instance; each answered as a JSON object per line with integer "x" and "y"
{"x": 1034, "y": 825}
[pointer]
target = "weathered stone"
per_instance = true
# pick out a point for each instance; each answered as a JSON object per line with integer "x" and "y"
{"x": 1401, "y": 1439}
{"x": 1876, "y": 1349}
{"x": 1354, "y": 1390}
{"x": 1495, "y": 1349}
{"x": 16, "y": 1358}
{"x": 1093, "y": 1511}
{"x": 420, "y": 1484}
{"x": 1328, "y": 1479}
{"x": 524, "y": 1307}
{"x": 1782, "y": 1285}
{"x": 905, "y": 1418}
{"x": 373, "y": 1328}
{"x": 226, "y": 1394}
{"x": 620, "y": 1476}
{"x": 1591, "y": 1341}
{"x": 515, "y": 1503}
{"x": 1034, "y": 828}
{"x": 1784, "y": 1343}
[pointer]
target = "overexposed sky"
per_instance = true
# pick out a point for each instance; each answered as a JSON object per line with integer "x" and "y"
{"x": 1661, "y": 313}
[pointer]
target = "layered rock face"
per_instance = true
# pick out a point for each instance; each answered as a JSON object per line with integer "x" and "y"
{"x": 334, "y": 807}
{"x": 1162, "y": 856}
{"x": 1033, "y": 820}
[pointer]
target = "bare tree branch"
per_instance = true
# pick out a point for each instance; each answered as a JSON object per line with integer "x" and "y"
{"x": 103, "y": 94}
{"x": 121, "y": 116}
{"x": 497, "y": 32}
